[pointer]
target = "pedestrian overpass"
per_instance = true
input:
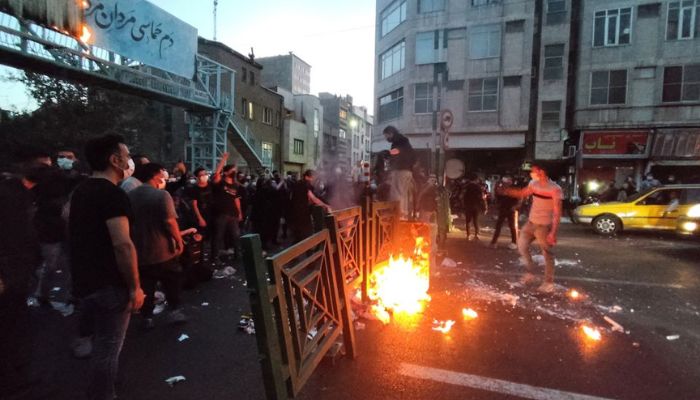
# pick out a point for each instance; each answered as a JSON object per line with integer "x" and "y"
{"x": 208, "y": 97}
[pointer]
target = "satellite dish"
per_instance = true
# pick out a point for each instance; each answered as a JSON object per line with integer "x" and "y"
{"x": 454, "y": 168}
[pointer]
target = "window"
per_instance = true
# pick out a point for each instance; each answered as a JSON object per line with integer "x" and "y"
{"x": 317, "y": 123}
{"x": 649, "y": 10}
{"x": 512, "y": 81}
{"x": 550, "y": 114}
{"x": 609, "y": 87}
{"x": 426, "y": 6}
{"x": 267, "y": 116}
{"x": 341, "y": 133}
{"x": 483, "y": 94}
{"x": 343, "y": 114}
{"x": 681, "y": 83}
{"x": 299, "y": 147}
{"x": 244, "y": 75}
{"x": 553, "y": 61}
{"x": 612, "y": 27}
{"x": 244, "y": 108}
{"x": 423, "y": 99}
{"x": 392, "y": 60}
{"x": 252, "y": 78}
{"x": 556, "y": 12}
{"x": 683, "y": 20}
{"x": 428, "y": 46}
{"x": 393, "y": 16}
{"x": 476, "y": 3}
{"x": 251, "y": 114}
{"x": 485, "y": 42}
{"x": 514, "y": 26}
{"x": 266, "y": 154}
{"x": 391, "y": 105}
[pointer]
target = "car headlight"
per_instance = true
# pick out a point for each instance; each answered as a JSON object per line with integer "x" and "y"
{"x": 694, "y": 211}
{"x": 689, "y": 226}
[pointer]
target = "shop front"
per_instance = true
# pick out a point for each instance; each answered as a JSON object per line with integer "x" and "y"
{"x": 610, "y": 155}
{"x": 676, "y": 152}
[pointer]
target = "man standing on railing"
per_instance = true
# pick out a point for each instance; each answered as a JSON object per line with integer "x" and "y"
{"x": 402, "y": 158}
{"x": 300, "y": 209}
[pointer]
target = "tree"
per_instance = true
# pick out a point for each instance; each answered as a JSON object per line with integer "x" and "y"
{"x": 69, "y": 114}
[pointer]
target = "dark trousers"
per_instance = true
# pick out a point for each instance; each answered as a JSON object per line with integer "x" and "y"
{"x": 512, "y": 217}
{"x": 225, "y": 226}
{"x": 108, "y": 309}
{"x": 471, "y": 215}
{"x": 169, "y": 274}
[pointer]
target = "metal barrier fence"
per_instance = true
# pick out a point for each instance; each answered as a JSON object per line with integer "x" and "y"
{"x": 300, "y": 298}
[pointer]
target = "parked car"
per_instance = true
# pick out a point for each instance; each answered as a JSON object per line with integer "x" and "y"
{"x": 656, "y": 208}
{"x": 689, "y": 224}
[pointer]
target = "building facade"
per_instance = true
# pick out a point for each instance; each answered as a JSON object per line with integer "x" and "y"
{"x": 258, "y": 110}
{"x": 302, "y": 140}
{"x": 637, "y": 102}
{"x": 599, "y": 90}
{"x": 336, "y": 139}
{"x": 361, "y": 126}
{"x": 286, "y": 71}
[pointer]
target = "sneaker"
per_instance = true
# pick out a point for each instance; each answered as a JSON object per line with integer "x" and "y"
{"x": 82, "y": 347}
{"x": 547, "y": 287}
{"x": 528, "y": 278}
{"x": 177, "y": 317}
{"x": 513, "y": 246}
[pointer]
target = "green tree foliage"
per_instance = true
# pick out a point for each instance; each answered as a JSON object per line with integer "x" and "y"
{"x": 69, "y": 114}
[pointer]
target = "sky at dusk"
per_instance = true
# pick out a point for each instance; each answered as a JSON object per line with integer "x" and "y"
{"x": 336, "y": 38}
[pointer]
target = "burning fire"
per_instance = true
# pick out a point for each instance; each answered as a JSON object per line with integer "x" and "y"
{"x": 402, "y": 285}
{"x": 574, "y": 294}
{"x": 591, "y": 333}
{"x": 468, "y": 313}
{"x": 86, "y": 34}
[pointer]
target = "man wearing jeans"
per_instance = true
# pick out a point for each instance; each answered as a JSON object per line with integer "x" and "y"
{"x": 402, "y": 158}
{"x": 542, "y": 224}
{"x": 103, "y": 259}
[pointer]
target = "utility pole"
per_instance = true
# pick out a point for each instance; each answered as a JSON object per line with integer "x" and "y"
{"x": 216, "y": 3}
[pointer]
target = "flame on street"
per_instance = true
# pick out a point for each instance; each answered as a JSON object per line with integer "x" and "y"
{"x": 574, "y": 294}
{"x": 591, "y": 333}
{"x": 401, "y": 286}
{"x": 468, "y": 313}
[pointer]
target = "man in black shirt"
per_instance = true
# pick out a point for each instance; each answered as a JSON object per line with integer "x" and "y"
{"x": 227, "y": 208}
{"x": 300, "y": 207}
{"x": 507, "y": 210}
{"x": 401, "y": 164}
{"x": 474, "y": 204}
{"x": 103, "y": 259}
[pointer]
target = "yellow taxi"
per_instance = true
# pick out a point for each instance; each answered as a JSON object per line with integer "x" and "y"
{"x": 656, "y": 208}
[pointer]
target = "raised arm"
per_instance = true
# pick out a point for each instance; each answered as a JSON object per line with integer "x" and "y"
{"x": 216, "y": 177}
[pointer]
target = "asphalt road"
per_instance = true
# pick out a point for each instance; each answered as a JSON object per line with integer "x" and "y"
{"x": 522, "y": 345}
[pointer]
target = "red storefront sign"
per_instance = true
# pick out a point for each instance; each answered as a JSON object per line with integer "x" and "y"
{"x": 615, "y": 144}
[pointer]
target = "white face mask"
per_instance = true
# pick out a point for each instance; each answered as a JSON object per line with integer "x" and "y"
{"x": 64, "y": 163}
{"x": 204, "y": 178}
{"x": 130, "y": 170}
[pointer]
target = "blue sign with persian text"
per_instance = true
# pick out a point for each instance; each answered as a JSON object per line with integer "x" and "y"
{"x": 143, "y": 32}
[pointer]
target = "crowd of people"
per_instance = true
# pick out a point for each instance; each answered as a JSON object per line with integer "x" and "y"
{"x": 128, "y": 228}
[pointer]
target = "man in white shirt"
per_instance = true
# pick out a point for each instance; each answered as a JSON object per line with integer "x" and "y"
{"x": 542, "y": 225}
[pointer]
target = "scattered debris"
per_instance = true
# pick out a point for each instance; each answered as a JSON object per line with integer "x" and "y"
{"x": 224, "y": 273}
{"x": 591, "y": 333}
{"x": 205, "y": 304}
{"x": 246, "y": 324}
{"x": 56, "y": 289}
{"x": 448, "y": 263}
{"x": 183, "y": 337}
{"x": 468, "y": 313}
{"x": 673, "y": 337}
{"x": 175, "y": 379}
{"x": 615, "y": 326}
{"x": 443, "y": 326}
{"x": 359, "y": 326}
